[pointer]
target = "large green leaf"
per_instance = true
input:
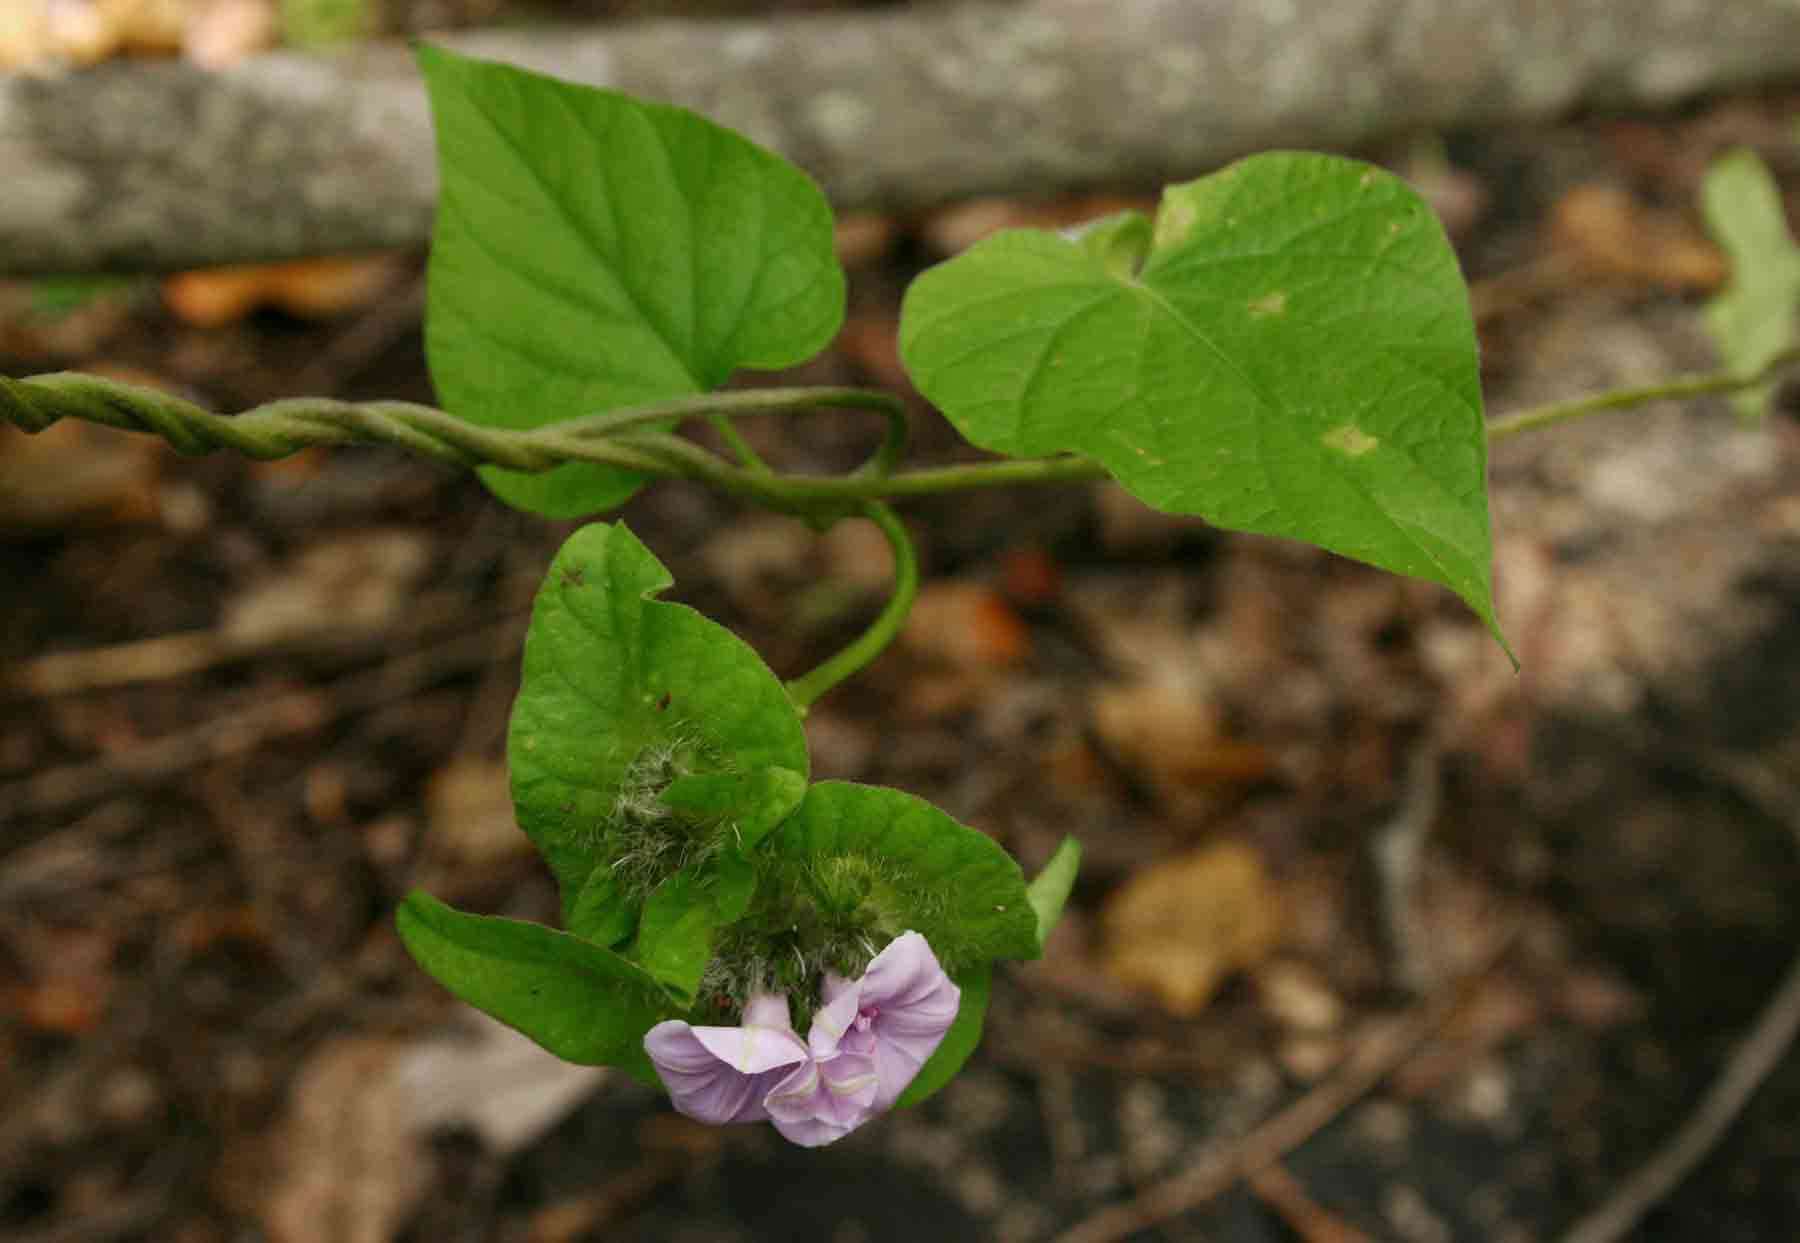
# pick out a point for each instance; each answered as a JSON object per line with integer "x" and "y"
{"x": 583, "y": 1003}
{"x": 675, "y": 934}
{"x": 1290, "y": 352}
{"x": 1758, "y": 314}
{"x": 899, "y": 864}
{"x": 959, "y": 1042}
{"x": 624, "y": 696}
{"x": 593, "y": 251}
{"x": 602, "y": 912}
{"x": 753, "y": 803}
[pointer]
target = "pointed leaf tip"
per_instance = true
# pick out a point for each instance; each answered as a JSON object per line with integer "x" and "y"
{"x": 1294, "y": 356}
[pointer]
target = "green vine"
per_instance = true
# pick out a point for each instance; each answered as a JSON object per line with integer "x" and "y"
{"x": 615, "y": 438}
{"x": 805, "y": 691}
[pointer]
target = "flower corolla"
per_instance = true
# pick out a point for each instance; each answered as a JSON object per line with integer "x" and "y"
{"x": 868, "y": 1040}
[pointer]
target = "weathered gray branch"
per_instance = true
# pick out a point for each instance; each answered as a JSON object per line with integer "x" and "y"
{"x": 160, "y": 165}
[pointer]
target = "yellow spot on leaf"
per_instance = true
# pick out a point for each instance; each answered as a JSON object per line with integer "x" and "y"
{"x": 1273, "y": 303}
{"x": 1349, "y": 440}
{"x": 1175, "y": 222}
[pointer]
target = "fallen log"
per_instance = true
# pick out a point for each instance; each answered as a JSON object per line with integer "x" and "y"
{"x": 161, "y": 165}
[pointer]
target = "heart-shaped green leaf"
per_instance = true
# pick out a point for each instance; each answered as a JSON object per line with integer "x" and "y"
{"x": 752, "y": 803}
{"x": 623, "y": 697}
{"x": 1294, "y": 355}
{"x": 583, "y": 1003}
{"x": 960, "y": 1041}
{"x": 594, "y": 252}
{"x": 603, "y": 912}
{"x": 898, "y": 864}
{"x": 675, "y": 933}
{"x": 1758, "y": 314}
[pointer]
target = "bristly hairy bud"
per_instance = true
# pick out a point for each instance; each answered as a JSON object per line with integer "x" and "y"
{"x": 644, "y": 839}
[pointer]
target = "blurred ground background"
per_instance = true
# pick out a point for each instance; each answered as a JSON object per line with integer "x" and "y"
{"x": 1490, "y": 935}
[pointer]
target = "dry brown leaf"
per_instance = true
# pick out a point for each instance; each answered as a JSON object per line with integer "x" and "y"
{"x": 493, "y": 1081}
{"x": 359, "y": 582}
{"x": 347, "y": 1161}
{"x": 213, "y": 297}
{"x": 328, "y": 287}
{"x": 85, "y": 32}
{"x": 1299, "y": 997}
{"x": 76, "y": 474}
{"x": 967, "y": 626}
{"x": 322, "y": 288}
{"x": 1074, "y": 765}
{"x": 223, "y": 32}
{"x": 1608, "y": 233}
{"x": 344, "y": 1165}
{"x": 762, "y": 562}
{"x": 471, "y": 814}
{"x": 62, "y": 1007}
{"x": 1030, "y": 577}
{"x": 858, "y": 553}
{"x": 40, "y": 35}
{"x": 1179, "y": 928}
{"x": 24, "y": 36}
{"x": 871, "y": 340}
{"x": 1170, "y": 730}
{"x": 863, "y": 237}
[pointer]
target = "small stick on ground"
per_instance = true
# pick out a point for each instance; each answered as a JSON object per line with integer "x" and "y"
{"x": 1395, "y": 851}
{"x": 1750, "y": 1063}
{"x": 84, "y": 783}
{"x": 1283, "y": 1193}
{"x": 1371, "y": 1062}
{"x": 170, "y": 656}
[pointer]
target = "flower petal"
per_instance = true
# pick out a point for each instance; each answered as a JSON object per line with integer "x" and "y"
{"x": 912, "y": 1003}
{"x": 833, "y": 1019}
{"x": 699, "y": 1084}
{"x": 752, "y": 1050}
{"x": 823, "y": 1101}
{"x": 721, "y": 1074}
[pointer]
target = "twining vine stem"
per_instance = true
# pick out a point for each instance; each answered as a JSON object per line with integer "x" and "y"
{"x": 642, "y": 439}
{"x": 1706, "y": 384}
{"x": 805, "y": 691}
{"x": 636, "y": 439}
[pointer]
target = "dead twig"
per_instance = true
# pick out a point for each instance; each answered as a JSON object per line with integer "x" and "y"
{"x": 235, "y": 733}
{"x": 167, "y": 657}
{"x": 1371, "y": 1062}
{"x": 1749, "y": 1064}
{"x": 1395, "y": 852}
{"x": 1283, "y": 1193}
{"x": 610, "y": 1204}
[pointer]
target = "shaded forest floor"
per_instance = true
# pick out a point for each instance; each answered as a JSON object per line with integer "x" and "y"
{"x": 247, "y": 706}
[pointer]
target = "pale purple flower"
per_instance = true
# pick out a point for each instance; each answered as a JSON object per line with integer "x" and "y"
{"x": 896, "y": 1013}
{"x": 722, "y": 1074}
{"x": 867, "y": 1041}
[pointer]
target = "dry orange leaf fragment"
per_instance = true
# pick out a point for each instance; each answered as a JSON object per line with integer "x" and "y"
{"x": 1169, "y": 729}
{"x": 307, "y": 288}
{"x": 59, "y": 1007}
{"x": 968, "y": 626}
{"x": 1180, "y": 928}
{"x": 1608, "y": 233}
